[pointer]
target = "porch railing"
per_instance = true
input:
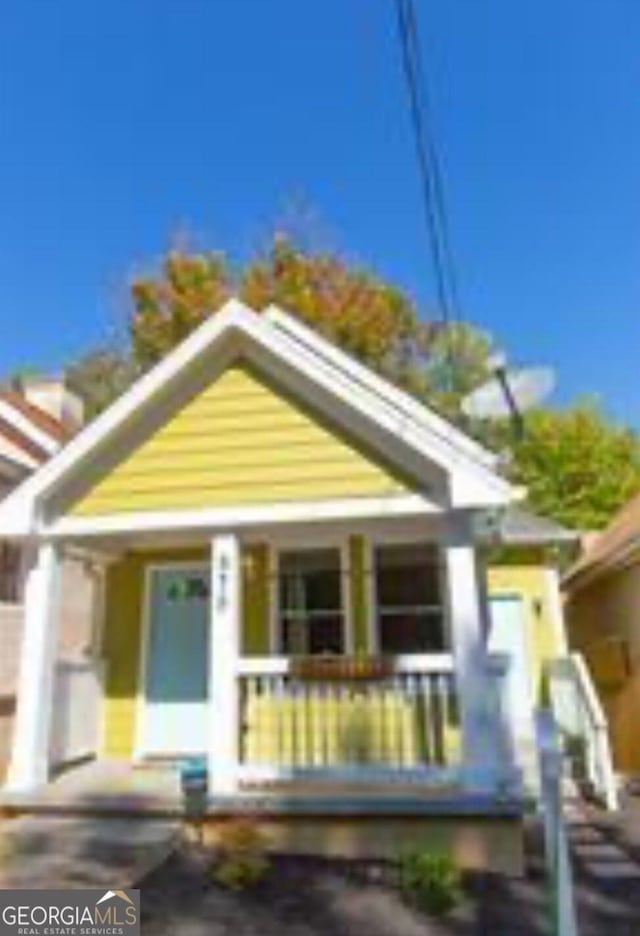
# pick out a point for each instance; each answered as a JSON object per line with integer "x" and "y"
{"x": 399, "y": 721}
{"x": 583, "y": 727}
{"x": 77, "y": 692}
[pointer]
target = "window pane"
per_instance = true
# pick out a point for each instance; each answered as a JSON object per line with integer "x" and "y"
{"x": 407, "y": 575}
{"x": 411, "y": 633}
{"x": 409, "y": 601}
{"x": 309, "y": 636}
{"x": 310, "y": 592}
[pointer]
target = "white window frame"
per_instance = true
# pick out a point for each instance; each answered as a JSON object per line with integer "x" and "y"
{"x": 374, "y": 543}
{"x": 280, "y": 545}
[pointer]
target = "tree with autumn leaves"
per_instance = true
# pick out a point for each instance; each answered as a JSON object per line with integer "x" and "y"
{"x": 374, "y": 321}
{"x": 577, "y": 465}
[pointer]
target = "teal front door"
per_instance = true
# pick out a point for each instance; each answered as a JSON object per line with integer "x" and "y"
{"x": 174, "y": 720}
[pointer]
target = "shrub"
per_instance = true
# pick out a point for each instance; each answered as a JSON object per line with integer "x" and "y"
{"x": 242, "y": 859}
{"x": 430, "y": 880}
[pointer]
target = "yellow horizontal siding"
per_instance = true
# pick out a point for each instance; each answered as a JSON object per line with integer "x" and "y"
{"x": 122, "y": 644}
{"x": 122, "y": 630}
{"x": 239, "y": 441}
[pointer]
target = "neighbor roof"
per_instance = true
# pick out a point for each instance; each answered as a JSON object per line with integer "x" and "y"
{"x": 521, "y": 527}
{"x": 615, "y": 546}
{"x": 338, "y": 382}
{"x": 33, "y": 435}
{"x": 43, "y": 421}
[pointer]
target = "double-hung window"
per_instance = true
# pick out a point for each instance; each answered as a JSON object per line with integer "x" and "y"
{"x": 409, "y": 602}
{"x": 310, "y": 602}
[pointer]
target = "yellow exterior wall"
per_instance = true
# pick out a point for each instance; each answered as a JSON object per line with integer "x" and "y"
{"x": 121, "y": 649}
{"x": 124, "y": 616}
{"x": 603, "y": 623}
{"x": 358, "y": 589}
{"x": 240, "y": 441}
{"x": 530, "y": 583}
{"x": 255, "y": 599}
{"x": 122, "y": 632}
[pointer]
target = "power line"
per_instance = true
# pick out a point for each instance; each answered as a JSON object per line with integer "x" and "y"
{"x": 429, "y": 170}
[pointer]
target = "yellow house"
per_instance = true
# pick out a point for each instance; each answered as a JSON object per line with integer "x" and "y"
{"x": 603, "y": 621}
{"x": 526, "y": 574}
{"x": 293, "y": 558}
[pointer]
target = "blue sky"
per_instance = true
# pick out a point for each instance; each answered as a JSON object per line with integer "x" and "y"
{"x": 124, "y": 121}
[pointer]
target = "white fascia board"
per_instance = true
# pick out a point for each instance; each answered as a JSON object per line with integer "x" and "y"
{"x": 469, "y": 490}
{"x": 229, "y": 518}
{"x": 485, "y": 487}
{"x": 24, "y": 425}
{"x": 419, "y": 412}
{"x": 17, "y": 511}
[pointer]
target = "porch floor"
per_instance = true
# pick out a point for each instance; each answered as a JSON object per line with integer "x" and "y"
{"x": 153, "y": 789}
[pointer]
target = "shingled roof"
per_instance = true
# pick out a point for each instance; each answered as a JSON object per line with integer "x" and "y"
{"x": 618, "y": 544}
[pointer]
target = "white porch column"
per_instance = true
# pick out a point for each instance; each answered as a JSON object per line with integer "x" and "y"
{"x": 468, "y": 619}
{"x": 224, "y": 642}
{"x": 29, "y": 767}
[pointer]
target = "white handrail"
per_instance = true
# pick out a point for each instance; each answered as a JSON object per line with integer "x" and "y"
{"x": 596, "y": 735}
{"x": 399, "y": 665}
{"x": 558, "y": 861}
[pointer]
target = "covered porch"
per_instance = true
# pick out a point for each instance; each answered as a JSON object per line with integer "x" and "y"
{"x": 325, "y": 660}
{"x": 290, "y": 550}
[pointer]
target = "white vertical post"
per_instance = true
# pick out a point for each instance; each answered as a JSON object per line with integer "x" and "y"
{"x": 29, "y": 767}
{"x": 224, "y": 641}
{"x": 558, "y": 859}
{"x": 468, "y": 619}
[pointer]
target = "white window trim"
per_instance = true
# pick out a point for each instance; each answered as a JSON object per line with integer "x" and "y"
{"x": 298, "y": 543}
{"x": 372, "y": 543}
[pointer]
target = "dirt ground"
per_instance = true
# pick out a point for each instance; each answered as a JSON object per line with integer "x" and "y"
{"x": 309, "y": 897}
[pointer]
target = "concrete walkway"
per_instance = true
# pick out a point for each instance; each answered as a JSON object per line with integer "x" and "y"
{"x": 53, "y": 852}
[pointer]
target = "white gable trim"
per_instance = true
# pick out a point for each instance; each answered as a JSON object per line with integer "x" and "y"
{"x": 475, "y": 484}
{"x": 226, "y": 518}
{"x": 364, "y": 376}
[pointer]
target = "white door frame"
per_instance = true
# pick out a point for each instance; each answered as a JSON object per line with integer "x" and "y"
{"x": 512, "y": 594}
{"x": 139, "y": 749}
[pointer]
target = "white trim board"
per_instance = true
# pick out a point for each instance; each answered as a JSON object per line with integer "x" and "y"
{"x": 224, "y": 518}
{"x": 28, "y": 428}
{"x": 408, "y": 431}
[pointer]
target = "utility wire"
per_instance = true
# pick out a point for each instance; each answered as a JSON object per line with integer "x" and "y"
{"x": 434, "y": 162}
{"x": 434, "y": 201}
{"x": 430, "y": 173}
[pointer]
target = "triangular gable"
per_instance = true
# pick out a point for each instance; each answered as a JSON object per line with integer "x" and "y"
{"x": 242, "y": 440}
{"x": 402, "y": 432}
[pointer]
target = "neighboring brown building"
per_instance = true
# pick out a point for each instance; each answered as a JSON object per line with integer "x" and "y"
{"x": 603, "y": 622}
{"x": 36, "y": 419}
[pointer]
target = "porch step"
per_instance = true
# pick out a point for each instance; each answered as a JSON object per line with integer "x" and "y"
{"x": 102, "y": 789}
{"x": 44, "y": 852}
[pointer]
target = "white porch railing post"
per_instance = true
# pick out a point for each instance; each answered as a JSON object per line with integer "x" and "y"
{"x": 558, "y": 860}
{"x": 224, "y": 641}
{"x": 29, "y": 767}
{"x": 468, "y": 621}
